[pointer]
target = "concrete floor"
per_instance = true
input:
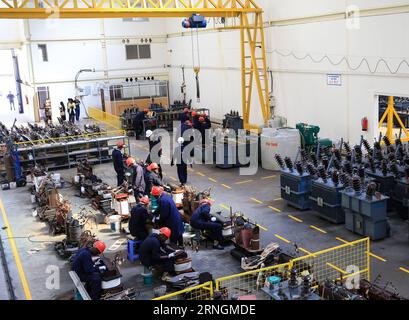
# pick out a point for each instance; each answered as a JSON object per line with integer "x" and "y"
{"x": 254, "y": 195}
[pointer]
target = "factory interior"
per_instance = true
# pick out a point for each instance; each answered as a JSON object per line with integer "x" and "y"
{"x": 204, "y": 150}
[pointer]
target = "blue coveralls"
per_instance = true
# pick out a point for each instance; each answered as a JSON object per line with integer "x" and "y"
{"x": 150, "y": 254}
{"x": 138, "y": 180}
{"x": 137, "y": 223}
{"x": 87, "y": 272}
{"x": 183, "y": 117}
{"x": 151, "y": 180}
{"x": 118, "y": 160}
{"x": 152, "y": 144}
{"x": 201, "y": 219}
{"x": 138, "y": 123}
{"x": 180, "y": 164}
{"x": 170, "y": 217}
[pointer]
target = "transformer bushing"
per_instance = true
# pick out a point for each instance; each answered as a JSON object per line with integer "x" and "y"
{"x": 386, "y": 182}
{"x": 366, "y": 214}
{"x": 400, "y": 198}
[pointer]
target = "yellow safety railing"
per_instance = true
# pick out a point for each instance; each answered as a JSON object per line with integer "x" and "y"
{"x": 76, "y": 137}
{"x": 104, "y": 117}
{"x": 200, "y": 292}
{"x": 348, "y": 260}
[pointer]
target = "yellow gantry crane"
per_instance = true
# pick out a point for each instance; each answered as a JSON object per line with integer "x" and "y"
{"x": 253, "y": 53}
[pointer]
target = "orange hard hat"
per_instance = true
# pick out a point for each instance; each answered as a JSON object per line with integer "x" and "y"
{"x": 130, "y": 161}
{"x": 205, "y": 201}
{"x": 146, "y": 110}
{"x": 201, "y": 119}
{"x": 145, "y": 200}
{"x": 156, "y": 191}
{"x": 120, "y": 144}
{"x": 194, "y": 114}
{"x": 153, "y": 166}
{"x": 185, "y": 110}
{"x": 166, "y": 232}
{"x": 100, "y": 246}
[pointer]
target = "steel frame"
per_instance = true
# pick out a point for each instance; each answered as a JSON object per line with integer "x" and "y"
{"x": 389, "y": 114}
{"x": 253, "y": 54}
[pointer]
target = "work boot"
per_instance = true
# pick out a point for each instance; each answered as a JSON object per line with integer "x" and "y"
{"x": 218, "y": 247}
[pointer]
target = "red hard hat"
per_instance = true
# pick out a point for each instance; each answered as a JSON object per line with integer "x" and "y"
{"x": 130, "y": 161}
{"x": 146, "y": 110}
{"x": 205, "y": 201}
{"x": 185, "y": 110}
{"x": 201, "y": 119}
{"x": 145, "y": 200}
{"x": 100, "y": 246}
{"x": 166, "y": 232}
{"x": 153, "y": 166}
{"x": 120, "y": 144}
{"x": 156, "y": 191}
{"x": 194, "y": 114}
{"x": 204, "y": 115}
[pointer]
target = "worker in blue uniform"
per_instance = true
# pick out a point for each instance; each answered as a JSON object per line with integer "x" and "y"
{"x": 152, "y": 178}
{"x": 169, "y": 215}
{"x": 203, "y": 220}
{"x": 88, "y": 271}
{"x": 118, "y": 161}
{"x": 138, "y": 122}
{"x": 154, "y": 252}
{"x": 179, "y": 161}
{"x": 140, "y": 222}
{"x": 154, "y": 142}
{"x": 183, "y": 117}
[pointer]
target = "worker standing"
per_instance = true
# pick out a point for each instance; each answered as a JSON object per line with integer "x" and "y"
{"x": 140, "y": 222}
{"x": 138, "y": 122}
{"x": 152, "y": 178}
{"x": 183, "y": 117}
{"x": 169, "y": 215}
{"x": 118, "y": 160}
{"x": 71, "y": 110}
{"x": 180, "y": 163}
{"x": 195, "y": 120}
{"x": 203, "y": 220}
{"x": 62, "y": 111}
{"x": 138, "y": 179}
{"x": 154, "y": 142}
{"x": 77, "y": 109}
{"x": 10, "y": 97}
{"x": 153, "y": 252}
{"x": 88, "y": 271}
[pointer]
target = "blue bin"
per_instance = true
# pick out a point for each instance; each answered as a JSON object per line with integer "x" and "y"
{"x": 133, "y": 250}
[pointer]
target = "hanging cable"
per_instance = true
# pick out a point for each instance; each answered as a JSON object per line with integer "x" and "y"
{"x": 196, "y": 68}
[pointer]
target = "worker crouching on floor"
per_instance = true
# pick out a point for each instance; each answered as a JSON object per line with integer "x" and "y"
{"x": 89, "y": 271}
{"x": 118, "y": 161}
{"x": 154, "y": 252}
{"x": 168, "y": 215}
{"x": 140, "y": 223}
{"x": 203, "y": 220}
{"x": 152, "y": 178}
{"x": 138, "y": 179}
{"x": 180, "y": 164}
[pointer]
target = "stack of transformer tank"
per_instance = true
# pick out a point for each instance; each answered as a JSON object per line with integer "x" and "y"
{"x": 357, "y": 186}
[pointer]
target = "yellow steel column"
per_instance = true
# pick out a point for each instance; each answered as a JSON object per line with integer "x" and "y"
{"x": 243, "y": 71}
{"x": 389, "y": 131}
{"x": 264, "y": 59}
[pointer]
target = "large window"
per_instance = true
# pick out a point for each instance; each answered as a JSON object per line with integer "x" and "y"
{"x": 138, "y": 51}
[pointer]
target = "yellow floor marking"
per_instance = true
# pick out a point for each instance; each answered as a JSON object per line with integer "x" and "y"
{"x": 211, "y": 199}
{"x": 243, "y": 182}
{"x": 261, "y": 227}
{"x": 268, "y": 177}
{"x": 294, "y": 218}
{"x": 226, "y": 186}
{"x": 200, "y": 174}
{"x": 173, "y": 178}
{"x": 304, "y": 250}
{"x": 275, "y": 209}
{"x": 225, "y": 207}
{"x": 344, "y": 241}
{"x": 15, "y": 254}
{"x": 318, "y": 229}
{"x": 190, "y": 170}
{"x": 278, "y": 199}
{"x": 213, "y": 180}
{"x": 282, "y": 238}
{"x": 404, "y": 269}
{"x": 336, "y": 268}
{"x": 377, "y": 257}
{"x": 258, "y": 201}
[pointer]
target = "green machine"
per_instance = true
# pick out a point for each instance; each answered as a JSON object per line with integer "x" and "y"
{"x": 309, "y": 137}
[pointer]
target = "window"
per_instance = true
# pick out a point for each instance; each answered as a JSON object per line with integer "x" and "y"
{"x": 43, "y": 52}
{"x": 135, "y": 51}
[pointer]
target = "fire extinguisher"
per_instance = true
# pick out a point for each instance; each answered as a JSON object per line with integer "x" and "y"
{"x": 365, "y": 124}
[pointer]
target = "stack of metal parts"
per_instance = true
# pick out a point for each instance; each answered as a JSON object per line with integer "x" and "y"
{"x": 337, "y": 291}
{"x": 191, "y": 200}
{"x": 128, "y": 119}
{"x": 295, "y": 183}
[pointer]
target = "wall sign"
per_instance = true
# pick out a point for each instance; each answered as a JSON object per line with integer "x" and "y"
{"x": 334, "y": 80}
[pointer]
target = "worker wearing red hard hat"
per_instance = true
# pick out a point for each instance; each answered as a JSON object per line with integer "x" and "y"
{"x": 203, "y": 220}
{"x": 138, "y": 183}
{"x": 154, "y": 252}
{"x": 118, "y": 161}
{"x": 89, "y": 271}
{"x": 184, "y": 115}
{"x": 152, "y": 177}
{"x": 168, "y": 215}
{"x": 140, "y": 222}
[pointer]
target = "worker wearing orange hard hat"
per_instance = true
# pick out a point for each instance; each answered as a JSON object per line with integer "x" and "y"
{"x": 140, "y": 222}
{"x": 154, "y": 252}
{"x": 168, "y": 215}
{"x": 118, "y": 161}
{"x": 152, "y": 177}
{"x": 89, "y": 271}
{"x": 203, "y": 220}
